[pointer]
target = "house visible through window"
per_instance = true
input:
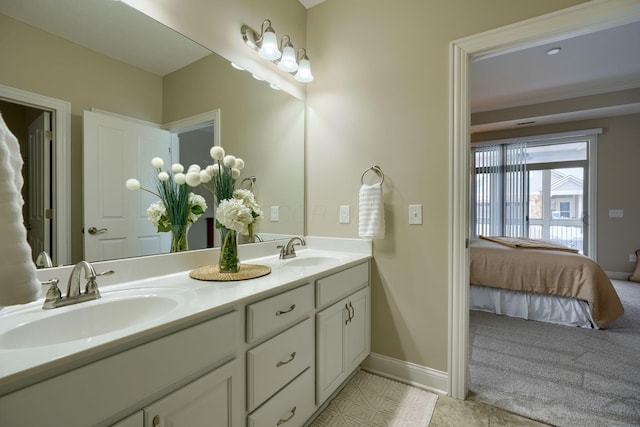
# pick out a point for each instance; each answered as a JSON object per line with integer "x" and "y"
{"x": 536, "y": 188}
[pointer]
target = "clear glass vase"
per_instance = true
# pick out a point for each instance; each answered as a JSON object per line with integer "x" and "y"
{"x": 229, "y": 262}
{"x": 179, "y": 238}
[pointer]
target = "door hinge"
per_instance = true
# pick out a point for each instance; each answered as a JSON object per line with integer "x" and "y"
{"x": 48, "y": 213}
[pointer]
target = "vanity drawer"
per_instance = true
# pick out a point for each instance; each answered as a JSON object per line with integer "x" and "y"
{"x": 274, "y": 363}
{"x": 289, "y": 408}
{"x": 274, "y": 314}
{"x": 337, "y": 286}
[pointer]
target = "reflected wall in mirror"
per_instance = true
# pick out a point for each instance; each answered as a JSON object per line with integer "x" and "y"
{"x": 263, "y": 126}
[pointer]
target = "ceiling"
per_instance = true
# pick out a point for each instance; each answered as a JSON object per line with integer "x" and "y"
{"x": 588, "y": 65}
{"x": 110, "y": 28}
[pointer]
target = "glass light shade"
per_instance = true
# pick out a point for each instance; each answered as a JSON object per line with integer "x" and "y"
{"x": 288, "y": 61}
{"x": 304, "y": 71}
{"x": 269, "y": 48}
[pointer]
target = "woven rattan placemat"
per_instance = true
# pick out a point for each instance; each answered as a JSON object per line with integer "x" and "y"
{"x": 212, "y": 273}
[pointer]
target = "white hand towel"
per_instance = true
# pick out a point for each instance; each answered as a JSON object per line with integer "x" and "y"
{"x": 18, "y": 281}
{"x": 371, "y": 212}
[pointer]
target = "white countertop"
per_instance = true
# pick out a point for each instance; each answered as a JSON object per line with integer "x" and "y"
{"x": 198, "y": 301}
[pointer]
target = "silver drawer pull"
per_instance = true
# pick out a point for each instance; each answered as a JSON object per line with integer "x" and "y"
{"x": 279, "y": 312}
{"x": 284, "y": 420}
{"x": 293, "y": 356}
{"x": 346, "y": 307}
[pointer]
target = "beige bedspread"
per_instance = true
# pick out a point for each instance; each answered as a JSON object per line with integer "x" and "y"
{"x": 546, "y": 272}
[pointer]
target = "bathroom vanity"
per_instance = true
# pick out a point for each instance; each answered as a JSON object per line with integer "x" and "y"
{"x": 262, "y": 352}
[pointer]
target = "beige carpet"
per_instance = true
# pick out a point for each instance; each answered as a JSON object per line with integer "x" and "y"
{"x": 371, "y": 400}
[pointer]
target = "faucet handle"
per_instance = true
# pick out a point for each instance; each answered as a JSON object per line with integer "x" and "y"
{"x": 53, "y": 293}
{"x": 92, "y": 285}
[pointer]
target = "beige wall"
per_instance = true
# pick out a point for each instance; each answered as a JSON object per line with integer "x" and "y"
{"x": 617, "y": 164}
{"x": 381, "y": 97}
{"x": 262, "y": 126}
{"x": 35, "y": 61}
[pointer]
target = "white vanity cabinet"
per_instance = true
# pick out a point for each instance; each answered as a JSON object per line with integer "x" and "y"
{"x": 213, "y": 399}
{"x": 343, "y": 329}
{"x": 127, "y": 381}
{"x": 280, "y": 370}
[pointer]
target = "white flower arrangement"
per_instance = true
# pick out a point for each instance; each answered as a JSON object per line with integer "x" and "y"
{"x": 237, "y": 209}
{"x": 177, "y": 204}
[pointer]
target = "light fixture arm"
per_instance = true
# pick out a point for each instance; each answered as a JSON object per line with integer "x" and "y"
{"x": 302, "y": 51}
{"x": 252, "y": 39}
{"x": 287, "y": 44}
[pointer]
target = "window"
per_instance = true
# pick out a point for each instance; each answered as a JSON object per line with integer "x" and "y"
{"x": 536, "y": 188}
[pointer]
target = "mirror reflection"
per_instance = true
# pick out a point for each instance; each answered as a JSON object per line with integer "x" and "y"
{"x": 197, "y": 96}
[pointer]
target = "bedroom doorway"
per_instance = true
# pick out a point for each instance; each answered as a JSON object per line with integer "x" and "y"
{"x": 581, "y": 19}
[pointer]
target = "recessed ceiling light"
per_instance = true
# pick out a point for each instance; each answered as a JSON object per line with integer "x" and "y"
{"x": 236, "y": 66}
{"x": 554, "y": 51}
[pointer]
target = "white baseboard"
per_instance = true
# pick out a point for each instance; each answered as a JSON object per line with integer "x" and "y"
{"x": 407, "y": 372}
{"x": 618, "y": 275}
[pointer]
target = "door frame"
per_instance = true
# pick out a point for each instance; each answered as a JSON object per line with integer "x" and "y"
{"x": 61, "y": 135}
{"x": 577, "y": 20}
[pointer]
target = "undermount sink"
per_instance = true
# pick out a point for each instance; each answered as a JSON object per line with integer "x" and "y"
{"x": 116, "y": 310}
{"x": 312, "y": 261}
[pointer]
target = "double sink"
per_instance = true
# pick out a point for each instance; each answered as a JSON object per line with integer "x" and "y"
{"x": 121, "y": 309}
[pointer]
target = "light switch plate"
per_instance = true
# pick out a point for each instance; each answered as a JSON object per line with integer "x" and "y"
{"x": 275, "y": 213}
{"x": 415, "y": 214}
{"x": 616, "y": 213}
{"x": 345, "y": 214}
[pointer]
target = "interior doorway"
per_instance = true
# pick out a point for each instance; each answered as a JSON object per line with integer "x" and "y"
{"x": 581, "y": 19}
{"x": 32, "y": 127}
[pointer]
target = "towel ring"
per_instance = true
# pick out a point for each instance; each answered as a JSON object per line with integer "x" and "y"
{"x": 251, "y": 180}
{"x": 377, "y": 170}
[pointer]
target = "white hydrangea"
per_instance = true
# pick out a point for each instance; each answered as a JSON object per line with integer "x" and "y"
{"x": 157, "y": 213}
{"x": 234, "y": 214}
{"x": 196, "y": 200}
{"x": 249, "y": 200}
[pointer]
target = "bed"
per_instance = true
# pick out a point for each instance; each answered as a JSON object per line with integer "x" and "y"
{"x": 539, "y": 281}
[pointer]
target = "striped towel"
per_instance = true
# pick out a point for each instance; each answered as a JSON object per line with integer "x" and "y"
{"x": 371, "y": 212}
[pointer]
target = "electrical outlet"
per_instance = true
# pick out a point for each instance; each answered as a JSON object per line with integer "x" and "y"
{"x": 275, "y": 213}
{"x": 415, "y": 214}
{"x": 633, "y": 258}
{"x": 345, "y": 214}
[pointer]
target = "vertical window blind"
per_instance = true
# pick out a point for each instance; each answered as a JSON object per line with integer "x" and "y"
{"x": 499, "y": 200}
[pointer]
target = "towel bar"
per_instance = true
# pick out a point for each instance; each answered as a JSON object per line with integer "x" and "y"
{"x": 377, "y": 170}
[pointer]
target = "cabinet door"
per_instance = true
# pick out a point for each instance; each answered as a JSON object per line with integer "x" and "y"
{"x": 332, "y": 369}
{"x": 135, "y": 420}
{"x": 213, "y": 399}
{"x": 358, "y": 341}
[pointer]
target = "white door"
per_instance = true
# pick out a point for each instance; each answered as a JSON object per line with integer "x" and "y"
{"x": 39, "y": 203}
{"x": 115, "y": 219}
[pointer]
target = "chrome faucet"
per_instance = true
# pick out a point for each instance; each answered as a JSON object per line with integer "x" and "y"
{"x": 43, "y": 260}
{"x": 54, "y": 297}
{"x": 288, "y": 250}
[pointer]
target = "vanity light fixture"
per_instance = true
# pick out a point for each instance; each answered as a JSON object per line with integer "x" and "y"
{"x": 288, "y": 60}
{"x": 304, "y": 68}
{"x": 284, "y": 55}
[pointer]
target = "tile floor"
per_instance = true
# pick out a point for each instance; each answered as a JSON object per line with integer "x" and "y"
{"x": 451, "y": 412}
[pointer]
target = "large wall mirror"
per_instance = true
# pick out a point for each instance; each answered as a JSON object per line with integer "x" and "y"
{"x": 74, "y": 50}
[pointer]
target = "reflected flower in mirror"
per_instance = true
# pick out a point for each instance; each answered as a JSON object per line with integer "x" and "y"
{"x": 177, "y": 208}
